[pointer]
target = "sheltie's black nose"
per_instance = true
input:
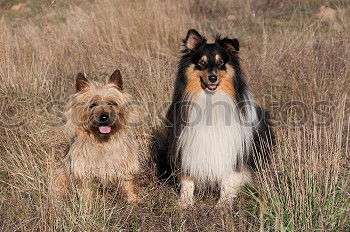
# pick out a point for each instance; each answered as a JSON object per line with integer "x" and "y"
{"x": 212, "y": 78}
{"x": 103, "y": 118}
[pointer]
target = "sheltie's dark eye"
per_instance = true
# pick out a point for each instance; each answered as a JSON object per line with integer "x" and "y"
{"x": 221, "y": 64}
{"x": 112, "y": 103}
{"x": 202, "y": 63}
{"x": 92, "y": 105}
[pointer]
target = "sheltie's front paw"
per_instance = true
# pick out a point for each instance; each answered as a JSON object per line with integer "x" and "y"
{"x": 186, "y": 193}
{"x": 225, "y": 203}
{"x": 185, "y": 203}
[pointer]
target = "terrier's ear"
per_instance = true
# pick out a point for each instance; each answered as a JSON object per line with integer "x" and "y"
{"x": 193, "y": 40}
{"x": 81, "y": 82}
{"x": 116, "y": 78}
{"x": 230, "y": 45}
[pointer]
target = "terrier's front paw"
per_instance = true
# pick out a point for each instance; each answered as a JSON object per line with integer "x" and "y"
{"x": 133, "y": 199}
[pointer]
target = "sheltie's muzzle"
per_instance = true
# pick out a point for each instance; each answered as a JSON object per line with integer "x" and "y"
{"x": 213, "y": 83}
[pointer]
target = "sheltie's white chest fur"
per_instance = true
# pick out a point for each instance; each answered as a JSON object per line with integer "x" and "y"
{"x": 216, "y": 137}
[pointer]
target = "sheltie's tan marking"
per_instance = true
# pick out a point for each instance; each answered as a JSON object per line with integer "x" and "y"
{"x": 226, "y": 80}
{"x": 194, "y": 85}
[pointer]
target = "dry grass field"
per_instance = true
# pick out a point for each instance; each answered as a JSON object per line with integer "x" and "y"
{"x": 296, "y": 55}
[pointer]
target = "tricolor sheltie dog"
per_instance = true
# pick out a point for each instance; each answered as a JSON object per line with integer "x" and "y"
{"x": 217, "y": 133}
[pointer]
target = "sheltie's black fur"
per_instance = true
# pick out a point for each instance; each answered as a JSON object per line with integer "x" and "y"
{"x": 220, "y": 57}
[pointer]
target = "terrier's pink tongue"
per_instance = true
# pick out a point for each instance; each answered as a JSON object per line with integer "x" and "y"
{"x": 105, "y": 129}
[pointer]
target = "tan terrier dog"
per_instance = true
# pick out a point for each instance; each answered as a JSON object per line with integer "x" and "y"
{"x": 103, "y": 147}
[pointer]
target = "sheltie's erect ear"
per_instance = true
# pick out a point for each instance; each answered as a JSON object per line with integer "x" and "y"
{"x": 81, "y": 82}
{"x": 193, "y": 41}
{"x": 116, "y": 78}
{"x": 230, "y": 45}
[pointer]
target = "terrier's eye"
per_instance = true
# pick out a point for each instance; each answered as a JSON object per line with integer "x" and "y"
{"x": 92, "y": 105}
{"x": 112, "y": 103}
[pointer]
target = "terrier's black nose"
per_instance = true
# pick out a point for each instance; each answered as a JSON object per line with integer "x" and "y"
{"x": 213, "y": 78}
{"x": 104, "y": 118}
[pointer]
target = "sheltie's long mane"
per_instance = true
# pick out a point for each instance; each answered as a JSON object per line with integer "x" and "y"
{"x": 216, "y": 139}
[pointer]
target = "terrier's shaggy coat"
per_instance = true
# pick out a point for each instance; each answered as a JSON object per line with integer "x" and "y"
{"x": 103, "y": 146}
